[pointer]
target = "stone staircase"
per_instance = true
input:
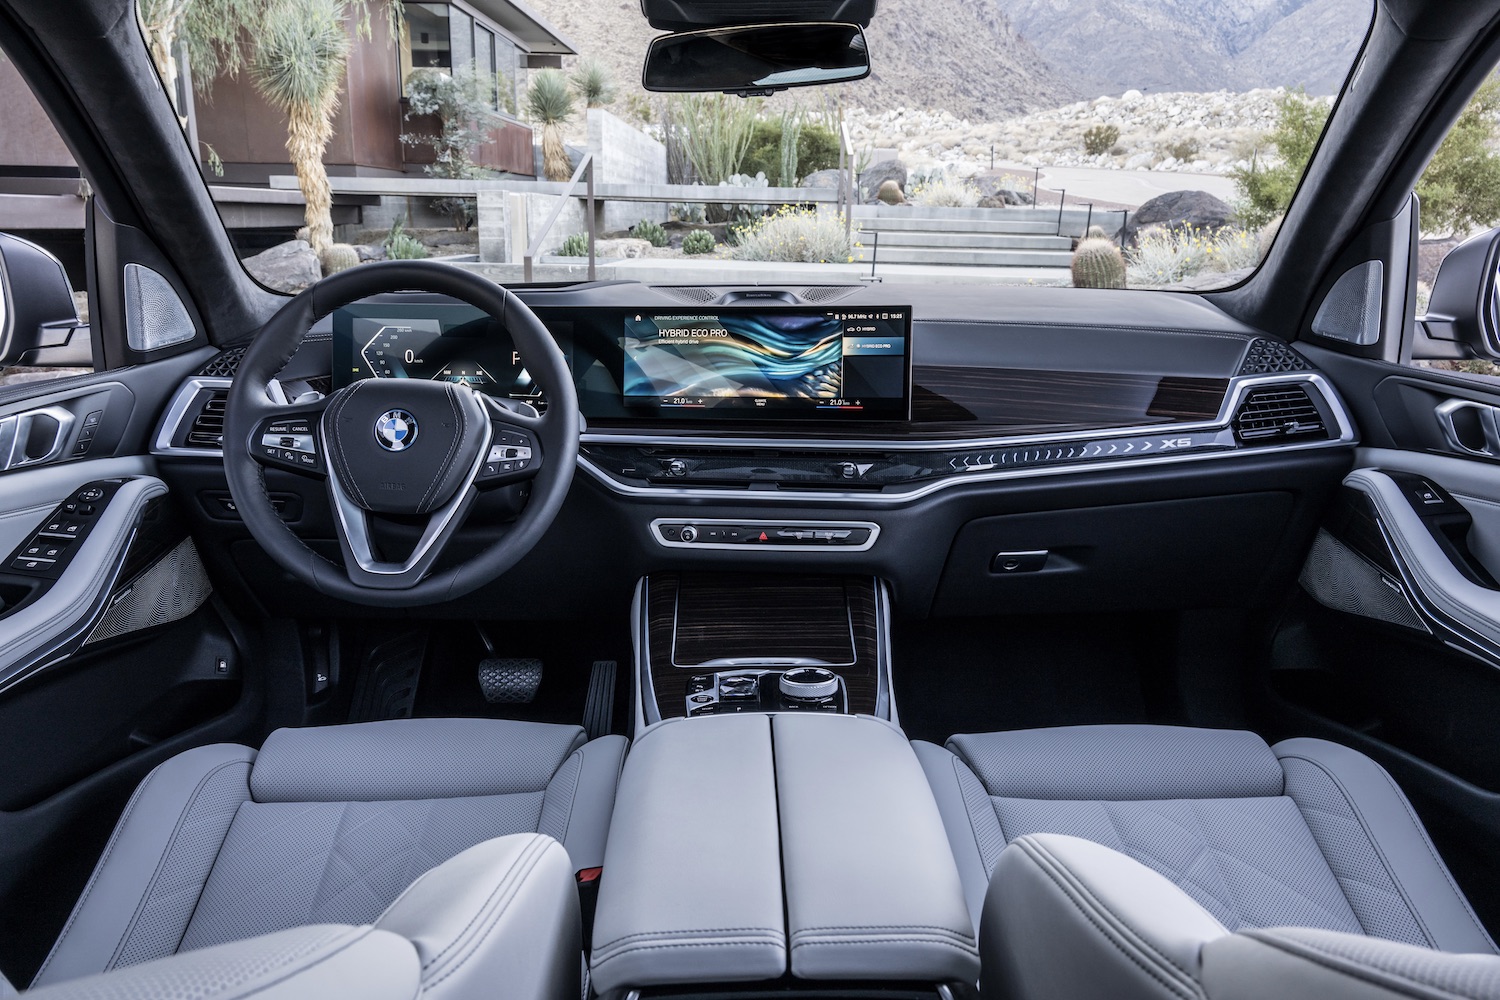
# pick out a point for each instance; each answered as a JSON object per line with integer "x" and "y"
{"x": 974, "y": 237}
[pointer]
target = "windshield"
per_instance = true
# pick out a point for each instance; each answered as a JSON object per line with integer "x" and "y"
{"x": 1094, "y": 143}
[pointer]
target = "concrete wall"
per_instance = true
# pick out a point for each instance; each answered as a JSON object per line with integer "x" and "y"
{"x": 508, "y": 220}
{"x": 624, "y": 154}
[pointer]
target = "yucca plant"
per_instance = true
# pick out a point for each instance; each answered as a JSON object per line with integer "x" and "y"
{"x": 298, "y": 65}
{"x": 549, "y": 103}
{"x": 593, "y": 83}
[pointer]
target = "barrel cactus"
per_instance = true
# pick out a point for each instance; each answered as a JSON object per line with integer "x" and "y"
{"x": 1096, "y": 233}
{"x": 890, "y": 193}
{"x": 338, "y": 257}
{"x": 1098, "y": 264}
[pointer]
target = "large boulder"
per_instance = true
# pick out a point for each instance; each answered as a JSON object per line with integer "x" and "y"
{"x": 822, "y": 179}
{"x": 1175, "y": 209}
{"x": 871, "y": 178}
{"x": 286, "y": 267}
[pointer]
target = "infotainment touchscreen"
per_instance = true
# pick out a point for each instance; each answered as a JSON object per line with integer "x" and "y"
{"x": 772, "y": 363}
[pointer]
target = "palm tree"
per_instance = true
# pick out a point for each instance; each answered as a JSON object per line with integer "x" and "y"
{"x": 300, "y": 53}
{"x": 550, "y": 104}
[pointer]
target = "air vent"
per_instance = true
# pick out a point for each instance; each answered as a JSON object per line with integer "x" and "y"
{"x": 1276, "y": 413}
{"x": 224, "y": 364}
{"x": 208, "y": 425}
{"x": 1272, "y": 357}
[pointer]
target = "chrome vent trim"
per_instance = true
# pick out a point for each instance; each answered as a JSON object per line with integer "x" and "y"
{"x": 1277, "y": 412}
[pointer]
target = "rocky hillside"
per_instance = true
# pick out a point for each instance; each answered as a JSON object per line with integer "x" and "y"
{"x": 1202, "y": 133}
{"x": 1109, "y": 46}
{"x": 956, "y": 54}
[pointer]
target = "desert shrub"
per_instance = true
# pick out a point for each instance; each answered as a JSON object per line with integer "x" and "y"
{"x": 945, "y": 192}
{"x": 817, "y": 148}
{"x": 1181, "y": 149}
{"x": 1460, "y": 189}
{"x": 1099, "y": 139}
{"x": 338, "y": 257}
{"x": 699, "y": 241}
{"x": 1164, "y": 256}
{"x": 651, "y": 232}
{"x": 462, "y": 211}
{"x": 796, "y": 235}
{"x": 1097, "y": 263}
{"x": 401, "y": 245}
{"x": 576, "y": 245}
{"x": 712, "y": 134}
{"x": 1266, "y": 186}
{"x": 593, "y": 83}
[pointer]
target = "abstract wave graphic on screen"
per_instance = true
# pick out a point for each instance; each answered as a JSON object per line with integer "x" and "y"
{"x": 773, "y": 356}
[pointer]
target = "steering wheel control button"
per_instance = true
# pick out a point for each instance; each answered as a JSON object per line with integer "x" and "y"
{"x": 396, "y": 430}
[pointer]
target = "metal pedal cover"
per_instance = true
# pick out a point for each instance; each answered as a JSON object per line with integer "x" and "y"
{"x": 509, "y": 681}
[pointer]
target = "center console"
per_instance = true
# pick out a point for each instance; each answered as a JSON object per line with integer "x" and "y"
{"x": 768, "y": 850}
{"x": 718, "y": 644}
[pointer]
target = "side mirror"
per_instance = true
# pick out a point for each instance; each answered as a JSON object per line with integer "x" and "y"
{"x": 38, "y": 320}
{"x": 756, "y": 60}
{"x": 1465, "y": 302}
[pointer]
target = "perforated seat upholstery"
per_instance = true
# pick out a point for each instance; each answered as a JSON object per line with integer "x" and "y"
{"x": 1303, "y": 834}
{"x": 325, "y": 826}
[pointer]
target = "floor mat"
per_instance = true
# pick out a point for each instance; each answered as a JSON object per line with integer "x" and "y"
{"x": 985, "y": 675}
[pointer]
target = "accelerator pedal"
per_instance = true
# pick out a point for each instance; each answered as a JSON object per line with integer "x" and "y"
{"x": 599, "y": 709}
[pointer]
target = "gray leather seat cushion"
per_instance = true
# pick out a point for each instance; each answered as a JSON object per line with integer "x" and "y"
{"x": 325, "y": 826}
{"x": 502, "y": 912}
{"x": 1303, "y": 834}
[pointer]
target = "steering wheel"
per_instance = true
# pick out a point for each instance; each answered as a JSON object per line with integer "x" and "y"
{"x": 407, "y": 451}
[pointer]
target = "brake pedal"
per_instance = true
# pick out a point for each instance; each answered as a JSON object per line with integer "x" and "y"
{"x": 599, "y": 709}
{"x": 507, "y": 681}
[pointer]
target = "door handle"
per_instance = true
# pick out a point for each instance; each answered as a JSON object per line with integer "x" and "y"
{"x": 35, "y": 436}
{"x": 1470, "y": 427}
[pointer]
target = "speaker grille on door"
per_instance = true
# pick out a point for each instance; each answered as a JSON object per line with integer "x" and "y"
{"x": 1337, "y": 577}
{"x": 174, "y": 587}
{"x": 1277, "y": 411}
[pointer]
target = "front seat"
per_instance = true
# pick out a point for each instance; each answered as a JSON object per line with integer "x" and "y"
{"x": 1304, "y": 834}
{"x": 325, "y": 826}
{"x": 1068, "y": 918}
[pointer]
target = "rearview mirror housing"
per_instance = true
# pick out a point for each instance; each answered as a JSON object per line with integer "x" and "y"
{"x": 755, "y": 60}
{"x": 1465, "y": 301}
{"x": 691, "y": 15}
{"x": 38, "y": 319}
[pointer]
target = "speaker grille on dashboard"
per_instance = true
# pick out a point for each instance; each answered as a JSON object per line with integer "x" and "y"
{"x": 224, "y": 364}
{"x": 1337, "y": 577}
{"x": 173, "y": 587}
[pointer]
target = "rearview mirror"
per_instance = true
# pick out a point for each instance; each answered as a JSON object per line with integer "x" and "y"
{"x": 755, "y": 60}
{"x": 38, "y": 320}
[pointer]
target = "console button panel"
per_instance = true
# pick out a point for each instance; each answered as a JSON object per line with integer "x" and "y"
{"x": 766, "y": 691}
{"x": 856, "y": 536}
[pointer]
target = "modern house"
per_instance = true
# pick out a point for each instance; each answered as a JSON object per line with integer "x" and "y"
{"x": 498, "y": 39}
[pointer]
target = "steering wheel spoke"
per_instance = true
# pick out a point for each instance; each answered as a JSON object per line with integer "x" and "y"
{"x": 291, "y": 438}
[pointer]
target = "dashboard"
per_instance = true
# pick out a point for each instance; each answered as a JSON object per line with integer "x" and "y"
{"x": 1034, "y": 447}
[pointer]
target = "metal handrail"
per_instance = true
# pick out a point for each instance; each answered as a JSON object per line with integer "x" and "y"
{"x": 585, "y": 165}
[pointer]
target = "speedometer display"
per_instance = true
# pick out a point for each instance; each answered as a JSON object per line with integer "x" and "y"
{"x": 443, "y": 343}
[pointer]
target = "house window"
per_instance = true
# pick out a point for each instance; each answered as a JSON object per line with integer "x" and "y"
{"x": 441, "y": 36}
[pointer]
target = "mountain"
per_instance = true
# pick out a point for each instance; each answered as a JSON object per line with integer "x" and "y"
{"x": 991, "y": 59}
{"x": 961, "y": 55}
{"x": 1110, "y": 46}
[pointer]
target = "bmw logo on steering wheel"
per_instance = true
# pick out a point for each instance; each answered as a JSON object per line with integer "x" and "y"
{"x": 395, "y": 430}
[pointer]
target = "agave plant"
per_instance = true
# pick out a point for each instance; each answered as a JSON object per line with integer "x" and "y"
{"x": 549, "y": 102}
{"x": 298, "y": 64}
{"x": 593, "y": 83}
